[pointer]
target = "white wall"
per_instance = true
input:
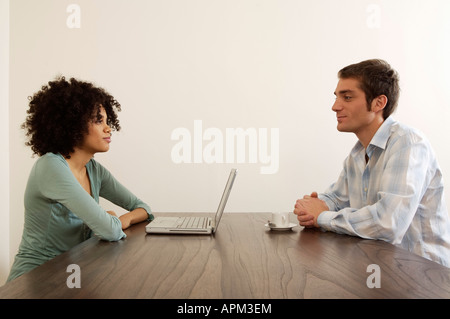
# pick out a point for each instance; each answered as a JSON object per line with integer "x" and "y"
{"x": 251, "y": 64}
{"x": 4, "y": 140}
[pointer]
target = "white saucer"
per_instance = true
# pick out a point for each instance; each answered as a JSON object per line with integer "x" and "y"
{"x": 281, "y": 228}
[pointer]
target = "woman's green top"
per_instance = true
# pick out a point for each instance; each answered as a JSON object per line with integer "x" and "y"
{"x": 60, "y": 214}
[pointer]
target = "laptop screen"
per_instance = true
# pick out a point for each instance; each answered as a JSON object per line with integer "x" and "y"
{"x": 224, "y": 199}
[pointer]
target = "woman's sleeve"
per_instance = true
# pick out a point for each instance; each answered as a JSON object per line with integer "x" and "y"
{"x": 112, "y": 190}
{"x": 58, "y": 184}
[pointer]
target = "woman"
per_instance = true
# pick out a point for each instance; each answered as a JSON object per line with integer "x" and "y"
{"x": 68, "y": 122}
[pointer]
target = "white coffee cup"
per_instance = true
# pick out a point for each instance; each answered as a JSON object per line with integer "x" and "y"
{"x": 280, "y": 219}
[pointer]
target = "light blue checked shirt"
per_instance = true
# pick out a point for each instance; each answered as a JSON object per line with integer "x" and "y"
{"x": 397, "y": 197}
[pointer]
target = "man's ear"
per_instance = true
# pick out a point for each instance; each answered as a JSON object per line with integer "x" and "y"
{"x": 379, "y": 103}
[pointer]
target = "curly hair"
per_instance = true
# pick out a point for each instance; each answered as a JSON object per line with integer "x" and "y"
{"x": 60, "y": 113}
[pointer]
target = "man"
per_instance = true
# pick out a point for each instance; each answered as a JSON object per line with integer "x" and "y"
{"x": 391, "y": 186}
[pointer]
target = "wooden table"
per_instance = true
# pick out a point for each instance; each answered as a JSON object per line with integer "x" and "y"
{"x": 243, "y": 260}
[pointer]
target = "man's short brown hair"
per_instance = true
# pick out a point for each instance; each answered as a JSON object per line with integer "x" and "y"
{"x": 376, "y": 77}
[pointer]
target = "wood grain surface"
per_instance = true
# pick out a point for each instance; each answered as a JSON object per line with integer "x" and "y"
{"x": 243, "y": 260}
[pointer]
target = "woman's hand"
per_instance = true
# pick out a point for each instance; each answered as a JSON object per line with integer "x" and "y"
{"x": 135, "y": 216}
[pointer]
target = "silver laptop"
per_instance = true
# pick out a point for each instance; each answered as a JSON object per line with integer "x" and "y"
{"x": 192, "y": 224}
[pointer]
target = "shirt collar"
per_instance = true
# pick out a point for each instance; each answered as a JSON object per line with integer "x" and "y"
{"x": 380, "y": 138}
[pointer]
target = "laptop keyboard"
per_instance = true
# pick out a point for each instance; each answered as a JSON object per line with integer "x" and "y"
{"x": 192, "y": 222}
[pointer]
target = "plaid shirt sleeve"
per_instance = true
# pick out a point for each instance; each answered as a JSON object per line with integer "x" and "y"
{"x": 398, "y": 196}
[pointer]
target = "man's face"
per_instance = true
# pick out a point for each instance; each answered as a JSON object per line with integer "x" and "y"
{"x": 351, "y": 107}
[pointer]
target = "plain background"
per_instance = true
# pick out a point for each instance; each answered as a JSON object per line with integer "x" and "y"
{"x": 229, "y": 63}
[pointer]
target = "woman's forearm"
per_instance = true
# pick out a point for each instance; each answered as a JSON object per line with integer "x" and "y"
{"x": 135, "y": 216}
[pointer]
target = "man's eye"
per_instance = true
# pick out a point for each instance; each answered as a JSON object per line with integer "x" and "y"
{"x": 347, "y": 98}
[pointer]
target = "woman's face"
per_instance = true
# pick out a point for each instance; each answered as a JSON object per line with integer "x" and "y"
{"x": 99, "y": 136}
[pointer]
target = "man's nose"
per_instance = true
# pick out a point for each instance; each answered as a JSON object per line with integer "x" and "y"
{"x": 336, "y": 106}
